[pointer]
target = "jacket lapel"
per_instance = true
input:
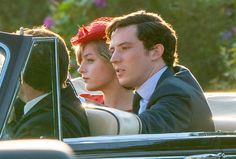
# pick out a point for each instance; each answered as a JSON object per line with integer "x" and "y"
{"x": 168, "y": 72}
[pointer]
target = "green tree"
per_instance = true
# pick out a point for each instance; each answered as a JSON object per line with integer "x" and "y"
{"x": 26, "y": 13}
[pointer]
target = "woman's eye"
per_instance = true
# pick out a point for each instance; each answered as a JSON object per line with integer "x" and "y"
{"x": 111, "y": 51}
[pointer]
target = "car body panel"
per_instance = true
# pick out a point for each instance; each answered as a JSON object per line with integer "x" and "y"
{"x": 223, "y": 108}
{"x": 155, "y": 145}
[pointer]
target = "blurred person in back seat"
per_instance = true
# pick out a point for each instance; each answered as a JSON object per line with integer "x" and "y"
{"x": 36, "y": 91}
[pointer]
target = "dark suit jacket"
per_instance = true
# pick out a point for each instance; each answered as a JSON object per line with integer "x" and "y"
{"x": 177, "y": 105}
{"x": 38, "y": 122}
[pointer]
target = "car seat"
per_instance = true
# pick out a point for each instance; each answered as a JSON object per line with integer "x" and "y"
{"x": 109, "y": 121}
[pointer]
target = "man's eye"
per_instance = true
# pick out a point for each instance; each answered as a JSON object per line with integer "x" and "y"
{"x": 90, "y": 60}
{"x": 125, "y": 47}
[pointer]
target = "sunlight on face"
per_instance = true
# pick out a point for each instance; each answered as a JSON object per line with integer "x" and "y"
{"x": 96, "y": 72}
{"x": 130, "y": 58}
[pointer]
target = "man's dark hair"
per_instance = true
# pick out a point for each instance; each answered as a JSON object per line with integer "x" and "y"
{"x": 151, "y": 30}
{"x": 38, "y": 69}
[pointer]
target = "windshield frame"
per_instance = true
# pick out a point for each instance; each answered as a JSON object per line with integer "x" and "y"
{"x": 55, "y": 84}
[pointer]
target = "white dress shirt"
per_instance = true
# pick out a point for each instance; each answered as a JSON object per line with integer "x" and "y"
{"x": 147, "y": 88}
{"x": 29, "y": 105}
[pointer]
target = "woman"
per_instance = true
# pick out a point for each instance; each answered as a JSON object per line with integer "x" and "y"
{"x": 93, "y": 56}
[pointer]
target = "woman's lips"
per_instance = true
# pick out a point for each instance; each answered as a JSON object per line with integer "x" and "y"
{"x": 85, "y": 79}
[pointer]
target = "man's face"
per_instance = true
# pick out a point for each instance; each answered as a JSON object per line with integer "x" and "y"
{"x": 130, "y": 59}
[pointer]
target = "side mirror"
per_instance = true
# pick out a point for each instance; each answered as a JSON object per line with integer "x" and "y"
{"x": 35, "y": 149}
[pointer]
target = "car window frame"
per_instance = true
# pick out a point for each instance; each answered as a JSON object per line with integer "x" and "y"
{"x": 56, "y": 91}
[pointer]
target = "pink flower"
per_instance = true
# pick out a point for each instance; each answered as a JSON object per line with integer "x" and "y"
{"x": 100, "y": 3}
{"x": 48, "y": 22}
{"x": 225, "y": 35}
{"x": 234, "y": 30}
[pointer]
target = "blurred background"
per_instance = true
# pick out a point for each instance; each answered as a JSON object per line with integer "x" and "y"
{"x": 206, "y": 29}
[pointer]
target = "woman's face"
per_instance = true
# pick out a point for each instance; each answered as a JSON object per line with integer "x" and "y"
{"x": 97, "y": 72}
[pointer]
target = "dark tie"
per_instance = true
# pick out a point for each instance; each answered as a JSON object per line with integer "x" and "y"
{"x": 136, "y": 101}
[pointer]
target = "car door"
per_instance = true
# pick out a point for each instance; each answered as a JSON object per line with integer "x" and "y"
{"x": 16, "y": 50}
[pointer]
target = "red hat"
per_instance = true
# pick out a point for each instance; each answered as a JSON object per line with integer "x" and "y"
{"x": 93, "y": 31}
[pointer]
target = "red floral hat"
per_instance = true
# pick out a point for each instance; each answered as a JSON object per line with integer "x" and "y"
{"x": 93, "y": 31}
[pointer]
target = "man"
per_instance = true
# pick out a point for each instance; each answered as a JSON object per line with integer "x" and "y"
{"x": 36, "y": 117}
{"x": 144, "y": 56}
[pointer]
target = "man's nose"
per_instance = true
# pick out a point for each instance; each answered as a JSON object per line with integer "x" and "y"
{"x": 115, "y": 57}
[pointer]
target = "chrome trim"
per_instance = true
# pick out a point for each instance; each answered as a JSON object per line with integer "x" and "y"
{"x": 58, "y": 89}
{"x": 6, "y": 62}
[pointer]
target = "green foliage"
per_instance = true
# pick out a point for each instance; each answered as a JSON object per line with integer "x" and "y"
{"x": 226, "y": 80}
{"x": 69, "y": 15}
{"x": 201, "y": 26}
{"x": 17, "y": 13}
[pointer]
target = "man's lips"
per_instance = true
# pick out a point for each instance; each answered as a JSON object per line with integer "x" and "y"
{"x": 119, "y": 71}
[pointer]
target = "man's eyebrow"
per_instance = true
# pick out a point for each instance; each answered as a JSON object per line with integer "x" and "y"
{"x": 123, "y": 43}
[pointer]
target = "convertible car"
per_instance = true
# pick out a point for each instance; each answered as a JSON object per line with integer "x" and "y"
{"x": 114, "y": 133}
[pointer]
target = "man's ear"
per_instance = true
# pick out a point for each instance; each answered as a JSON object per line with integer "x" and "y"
{"x": 157, "y": 51}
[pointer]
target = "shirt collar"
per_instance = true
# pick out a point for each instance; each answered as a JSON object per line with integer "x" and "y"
{"x": 29, "y": 105}
{"x": 148, "y": 87}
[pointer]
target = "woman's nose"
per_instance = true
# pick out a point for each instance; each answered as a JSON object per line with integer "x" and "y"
{"x": 81, "y": 69}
